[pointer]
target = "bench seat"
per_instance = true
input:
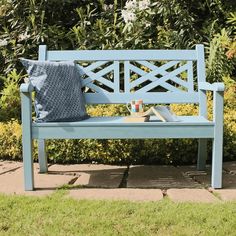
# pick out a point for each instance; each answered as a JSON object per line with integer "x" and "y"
{"x": 116, "y": 127}
{"x": 119, "y": 121}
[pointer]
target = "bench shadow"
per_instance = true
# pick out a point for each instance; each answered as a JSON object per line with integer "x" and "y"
{"x": 103, "y": 178}
{"x": 143, "y": 176}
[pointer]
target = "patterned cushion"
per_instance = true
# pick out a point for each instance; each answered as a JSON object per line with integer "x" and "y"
{"x": 58, "y": 90}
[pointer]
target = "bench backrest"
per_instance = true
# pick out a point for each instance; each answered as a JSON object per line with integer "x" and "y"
{"x": 119, "y": 76}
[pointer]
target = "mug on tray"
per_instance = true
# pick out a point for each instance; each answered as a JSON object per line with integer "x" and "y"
{"x": 135, "y": 107}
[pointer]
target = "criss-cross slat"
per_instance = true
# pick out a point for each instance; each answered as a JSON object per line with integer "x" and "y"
{"x": 137, "y": 70}
{"x": 98, "y": 76}
{"x": 83, "y": 70}
{"x": 163, "y": 71}
{"x": 141, "y": 72}
{"x": 161, "y": 81}
{"x": 94, "y": 65}
{"x": 151, "y": 75}
{"x": 168, "y": 87}
{"x": 162, "y": 68}
{"x": 96, "y": 88}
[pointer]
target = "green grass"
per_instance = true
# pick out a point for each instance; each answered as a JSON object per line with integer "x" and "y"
{"x": 59, "y": 215}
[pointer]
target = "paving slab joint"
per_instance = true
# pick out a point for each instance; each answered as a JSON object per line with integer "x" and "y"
{"x": 72, "y": 181}
{"x": 205, "y": 186}
{"x": 215, "y": 194}
{"x": 123, "y": 183}
{"x": 11, "y": 170}
{"x": 164, "y": 193}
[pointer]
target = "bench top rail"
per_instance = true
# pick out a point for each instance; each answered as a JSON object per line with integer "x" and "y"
{"x": 121, "y": 55}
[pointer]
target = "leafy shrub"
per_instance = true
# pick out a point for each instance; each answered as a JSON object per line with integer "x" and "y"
{"x": 10, "y": 140}
{"x": 10, "y": 97}
{"x": 24, "y": 24}
{"x": 230, "y": 119}
{"x": 165, "y": 151}
{"x": 221, "y": 58}
{"x": 103, "y": 24}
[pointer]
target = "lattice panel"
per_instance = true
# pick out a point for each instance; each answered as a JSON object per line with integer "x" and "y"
{"x": 100, "y": 76}
{"x": 137, "y": 76}
{"x": 146, "y": 76}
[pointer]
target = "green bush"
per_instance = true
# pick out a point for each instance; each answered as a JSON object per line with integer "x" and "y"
{"x": 164, "y": 151}
{"x": 10, "y": 140}
{"x": 10, "y": 97}
{"x": 101, "y": 24}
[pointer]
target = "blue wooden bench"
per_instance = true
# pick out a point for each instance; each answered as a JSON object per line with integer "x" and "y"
{"x": 119, "y": 76}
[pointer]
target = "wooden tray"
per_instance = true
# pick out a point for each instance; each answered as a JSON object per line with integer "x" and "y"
{"x": 136, "y": 119}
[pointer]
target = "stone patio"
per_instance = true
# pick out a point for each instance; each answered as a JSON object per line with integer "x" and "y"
{"x": 134, "y": 183}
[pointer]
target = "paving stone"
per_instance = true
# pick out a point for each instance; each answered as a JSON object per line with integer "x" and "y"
{"x": 82, "y": 168}
{"x": 102, "y": 176}
{"x": 12, "y": 182}
{"x": 230, "y": 167}
{"x": 192, "y": 170}
{"x": 107, "y": 176}
{"x": 158, "y": 177}
{"x": 229, "y": 181}
{"x": 117, "y": 194}
{"x": 191, "y": 195}
{"x": 226, "y": 194}
{"x": 104, "y": 179}
{"x": 6, "y": 166}
{"x": 204, "y": 177}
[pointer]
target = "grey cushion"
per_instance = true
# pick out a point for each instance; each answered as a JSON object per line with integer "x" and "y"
{"x": 58, "y": 90}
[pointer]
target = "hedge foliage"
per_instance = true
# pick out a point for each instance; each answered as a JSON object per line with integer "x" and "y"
{"x": 102, "y": 24}
{"x": 164, "y": 151}
{"x": 105, "y": 24}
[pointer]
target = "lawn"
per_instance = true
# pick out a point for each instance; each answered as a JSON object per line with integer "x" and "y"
{"x": 59, "y": 215}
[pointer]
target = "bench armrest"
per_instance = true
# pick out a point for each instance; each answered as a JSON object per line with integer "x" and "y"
{"x": 26, "y": 105}
{"x": 217, "y": 87}
{"x": 26, "y": 88}
{"x": 218, "y": 99}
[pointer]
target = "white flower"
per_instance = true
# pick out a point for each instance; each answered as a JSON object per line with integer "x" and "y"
{"x": 107, "y": 7}
{"x": 144, "y": 4}
{"x": 128, "y": 16}
{"x": 24, "y": 36}
{"x": 3, "y": 43}
{"x": 131, "y": 5}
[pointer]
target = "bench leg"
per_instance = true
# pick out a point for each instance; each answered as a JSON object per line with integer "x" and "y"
{"x": 202, "y": 154}
{"x": 217, "y": 156}
{"x": 27, "y": 142}
{"x": 42, "y": 156}
{"x": 28, "y": 163}
{"x": 217, "y": 149}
